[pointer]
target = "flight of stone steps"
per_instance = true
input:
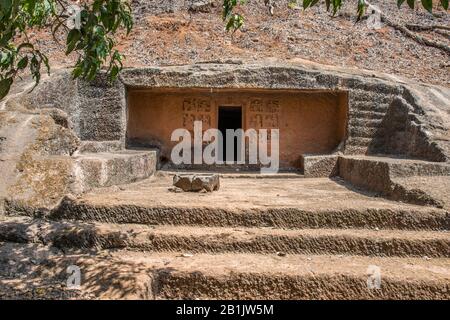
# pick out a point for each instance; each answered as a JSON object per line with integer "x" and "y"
{"x": 176, "y": 251}
{"x": 366, "y": 112}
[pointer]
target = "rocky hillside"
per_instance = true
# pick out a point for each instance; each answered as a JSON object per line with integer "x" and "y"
{"x": 188, "y": 31}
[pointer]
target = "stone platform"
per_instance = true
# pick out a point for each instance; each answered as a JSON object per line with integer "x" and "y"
{"x": 283, "y": 202}
{"x": 244, "y": 193}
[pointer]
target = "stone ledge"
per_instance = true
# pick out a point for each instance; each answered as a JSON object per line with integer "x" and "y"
{"x": 96, "y": 170}
{"x": 316, "y": 166}
{"x": 100, "y": 146}
{"x": 380, "y": 175}
{"x": 400, "y": 167}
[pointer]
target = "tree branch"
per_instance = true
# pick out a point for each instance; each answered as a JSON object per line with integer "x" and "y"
{"x": 418, "y": 27}
{"x": 414, "y": 36}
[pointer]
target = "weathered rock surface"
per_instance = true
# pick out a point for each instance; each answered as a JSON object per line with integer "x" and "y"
{"x": 34, "y": 271}
{"x": 315, "y": 166}
{"x": 287, "y": 203}
{"x": 39, "y": 166}
{"x": 212, "y": 245}
{"x": 36, "y": 161}
{"x": 201, "y": 5}
{"x": 223, "y": 258}
{"x": 53, "y": 142}
{"x": 197, "y": 182}
{"x": 203, "y": 239}
{"x": 388, "y": 177}
{"x": 95, "y": 110}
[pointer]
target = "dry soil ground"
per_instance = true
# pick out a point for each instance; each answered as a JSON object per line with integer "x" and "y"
{"x": 165, "y": 32}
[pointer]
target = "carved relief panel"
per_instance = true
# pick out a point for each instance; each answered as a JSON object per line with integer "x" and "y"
{"x": 197, "y": 109}
{"x": 263, "y": 113}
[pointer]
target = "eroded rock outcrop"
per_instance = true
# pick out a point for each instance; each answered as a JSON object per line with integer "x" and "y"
{"x": 36, "y": 162}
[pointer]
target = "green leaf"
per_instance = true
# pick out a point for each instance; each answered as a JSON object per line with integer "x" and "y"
{"x": 114, "y": 72}
{"x": 235, "y": 22}
{"x": 31, "y": 6}
{"x": 361, "y": 9}
{"x": 444, "y": 4}
{"x": 73, "y": 36}
{"x": 428, "y": 5}
{"x": 93, "y": 39}
{"x": 306, "y": 3}
{"x": 46, "y": 63}
{"x": 5, "y": 86}
{"x": 5, "y": 5}
{"x": 411, "y": 3}
{"x": 92, "y": 73}
{"x": 336, "y": 6}
{"x": 72, "y": 39}
{"x": 22, "y": 64}
{"x": 76, "y": 72}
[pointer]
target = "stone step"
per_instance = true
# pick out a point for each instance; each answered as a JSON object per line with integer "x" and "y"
{"x": 220, "y": 240}
{"x": 319, "y": 166}
{"x": 255, "y": 276}
{"x": 356, "y": 214}
{"x": 397, "y": 179}
{"x": 368, "y": 106}
{"x": 363, "y": 122}
{"x": 355, "y": 150}
{"x": 425, "y": 186}
{"x": 358, "y": 141}
{"x": 363, "y": 114}
{"x": 104, "y": 169}
{"x": 372, "y": 87}
{"x": 122, "y": 274}
{"x": 288, "y": 203}
{"x": 35, "y": 271}
{"x": 370, "y": 96}
{"x": 241, "y": 174}
{"x": 100, "y": 146}
{"x": 362, "y": 131}
{"x": 397, "y": 167}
